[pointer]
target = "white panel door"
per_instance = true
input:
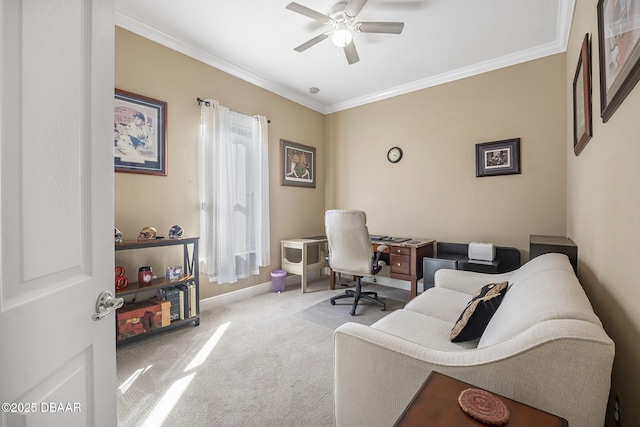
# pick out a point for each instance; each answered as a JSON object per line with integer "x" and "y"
{"x": 57, "y": 364}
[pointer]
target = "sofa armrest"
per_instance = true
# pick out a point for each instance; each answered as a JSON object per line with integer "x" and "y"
{"x": 467, "y": 282}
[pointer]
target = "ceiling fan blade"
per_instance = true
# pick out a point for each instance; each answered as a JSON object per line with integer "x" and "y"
{"x": 304, "y": 10}
{"x": 354, "y": 7}
{"x": 313, "y": 41}
{"x": 351, "y": 53}
{"x": 380, "y": 27}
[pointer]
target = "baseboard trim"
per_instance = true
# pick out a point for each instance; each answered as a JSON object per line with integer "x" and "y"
{"x": 244, "y": 293}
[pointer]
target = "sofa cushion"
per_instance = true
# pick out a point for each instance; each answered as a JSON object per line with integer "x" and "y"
{"x": 441, "y": 303}
{"x": 478, "y": 312}
{"x": 423, "y": 330}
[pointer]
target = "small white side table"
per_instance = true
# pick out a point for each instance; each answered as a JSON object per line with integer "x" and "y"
{"x": 300, "y": 256}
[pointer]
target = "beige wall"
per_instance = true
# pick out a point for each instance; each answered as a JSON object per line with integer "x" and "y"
{"x": 433, "y": 192}
{"x": 149, "y": 69}
{"x": 603, "y": 216}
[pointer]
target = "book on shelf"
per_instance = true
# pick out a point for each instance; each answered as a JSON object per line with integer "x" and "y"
{"x": 171, "y": 294}
{"x": 182, "y": 300}
{"x": 186, "y": 301}
{"x": 192, "y": 299}
{"x": 166, "y": 310}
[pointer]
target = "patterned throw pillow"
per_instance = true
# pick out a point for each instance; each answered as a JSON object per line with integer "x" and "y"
{"x": 479, "y": 311}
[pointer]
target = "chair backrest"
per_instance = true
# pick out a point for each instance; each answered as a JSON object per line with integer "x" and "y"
{"x": 350, "y": 249}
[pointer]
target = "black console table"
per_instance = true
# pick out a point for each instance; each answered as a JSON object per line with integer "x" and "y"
{"x": 454, "y": 256}
{"x": 539, "y": 245}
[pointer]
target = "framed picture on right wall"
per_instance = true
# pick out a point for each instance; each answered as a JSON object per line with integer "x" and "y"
{"x": 582, "y": 129}
{"x": 619, "y": 48}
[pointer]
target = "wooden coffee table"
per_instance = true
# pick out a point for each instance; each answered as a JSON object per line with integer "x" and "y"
{"x": 436, "y": 404}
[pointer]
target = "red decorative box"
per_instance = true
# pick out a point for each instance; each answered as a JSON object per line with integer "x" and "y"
{"x": 138, "y": 318}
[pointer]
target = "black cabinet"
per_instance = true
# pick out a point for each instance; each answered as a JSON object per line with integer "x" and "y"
{"x": 454, "y": 256}
{"x": 431, "y": 265}
{"x": 539, "y": 244}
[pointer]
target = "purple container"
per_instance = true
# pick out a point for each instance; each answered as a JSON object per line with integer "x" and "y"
{"x": 278, "y": 280}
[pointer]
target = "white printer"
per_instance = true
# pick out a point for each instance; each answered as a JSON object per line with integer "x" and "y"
{"x": 482, "y": 252}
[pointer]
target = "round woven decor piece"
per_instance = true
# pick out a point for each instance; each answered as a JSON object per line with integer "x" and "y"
{"x": 483, "y": 406}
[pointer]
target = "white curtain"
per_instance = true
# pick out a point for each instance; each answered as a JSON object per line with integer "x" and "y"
{"x": 234, "y": 193}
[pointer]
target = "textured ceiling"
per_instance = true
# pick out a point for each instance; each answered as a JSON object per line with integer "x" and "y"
{"x": 442, "y": 40}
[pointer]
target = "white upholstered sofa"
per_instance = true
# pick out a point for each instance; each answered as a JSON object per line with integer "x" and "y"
{"x": 544, "y": 346}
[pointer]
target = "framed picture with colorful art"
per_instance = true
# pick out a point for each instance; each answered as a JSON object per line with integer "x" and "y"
{"x": 298, "y": 164}
{"x": 139, "y": 134}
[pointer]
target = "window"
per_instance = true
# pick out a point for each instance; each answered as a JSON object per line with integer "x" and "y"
{"x": 234, "y": 193}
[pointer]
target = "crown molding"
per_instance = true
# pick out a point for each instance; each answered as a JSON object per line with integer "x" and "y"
{"x": 565, "y": 16}
{"x": 131, "y": 24}
{"x": 450, "y": 76}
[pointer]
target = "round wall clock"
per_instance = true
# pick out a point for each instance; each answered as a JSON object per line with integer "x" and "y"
{"x": 394, "y": 154}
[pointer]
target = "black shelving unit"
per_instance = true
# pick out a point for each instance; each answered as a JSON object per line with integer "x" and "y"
{"x": 190, "y": 260}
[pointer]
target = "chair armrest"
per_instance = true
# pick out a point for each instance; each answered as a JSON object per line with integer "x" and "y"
{"x": 467, "y": 282}
{"x": 375, "y": 267}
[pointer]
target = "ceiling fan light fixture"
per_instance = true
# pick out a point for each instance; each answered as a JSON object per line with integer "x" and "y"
{"x": 343, "y": 18}
{"x": 341, "y": 37}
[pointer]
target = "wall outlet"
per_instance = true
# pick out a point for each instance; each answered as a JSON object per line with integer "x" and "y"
{"x": 616, "y": 411}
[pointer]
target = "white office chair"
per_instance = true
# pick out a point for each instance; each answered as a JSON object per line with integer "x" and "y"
{"x": 350, "y": 252}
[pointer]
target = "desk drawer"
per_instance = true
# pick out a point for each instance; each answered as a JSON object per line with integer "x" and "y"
{"x": 399, "y": 250}
{"x": 400, "y": 263}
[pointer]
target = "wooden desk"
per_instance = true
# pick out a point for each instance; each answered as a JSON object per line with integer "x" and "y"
{"x": 436, "y": 404}
{"x": 404, "y": 259}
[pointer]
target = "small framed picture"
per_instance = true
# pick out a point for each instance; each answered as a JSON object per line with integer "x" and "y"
{"x": 582, "y": 130}
{"x": 298, "y": 164}
{"x": 139, "y": 134}
{"x": 498, "y": 158}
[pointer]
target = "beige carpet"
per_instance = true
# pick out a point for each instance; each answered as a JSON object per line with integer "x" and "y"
{"x": 259, "y": 362}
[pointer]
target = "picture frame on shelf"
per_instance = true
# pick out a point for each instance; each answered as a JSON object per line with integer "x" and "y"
{"x": 619, "y": 49}
{"x": 582, "y": 122}
{"x": 139, "y": 134}
{"x": 498, "y": 158}
{"x": 297, "y": 164}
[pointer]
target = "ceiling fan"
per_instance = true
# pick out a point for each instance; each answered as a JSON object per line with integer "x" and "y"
{"x": 342, "y": 16}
